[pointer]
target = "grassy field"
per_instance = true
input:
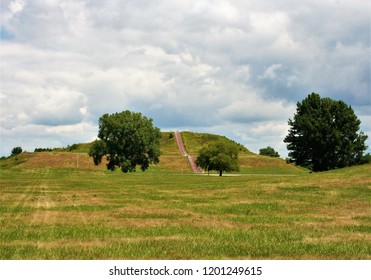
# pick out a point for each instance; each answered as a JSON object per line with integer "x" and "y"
{"x": 169, "y": 213}
{"x": 59, "y": 205}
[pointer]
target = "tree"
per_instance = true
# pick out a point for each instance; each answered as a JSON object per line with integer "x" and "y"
{"x": 127, "y": 139}
{"x": 16, "y": 151}
{"x": 323, "y": 134}
{"x": 268, "y": 151}
{"x": 219, "y": 156}
{"x": 366, "y": 159}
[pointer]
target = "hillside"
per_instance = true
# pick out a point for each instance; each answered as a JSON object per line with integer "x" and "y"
{"x": 75, "y": 214}
{"x": 75, "y": 156}
{"x": 52, "y": 210}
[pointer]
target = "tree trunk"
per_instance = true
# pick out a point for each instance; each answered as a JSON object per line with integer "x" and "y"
{"x": 220, "y": 172}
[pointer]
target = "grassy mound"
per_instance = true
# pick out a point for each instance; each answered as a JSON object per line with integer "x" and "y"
{"x": 75, "y": 156}
{"x": 58, "y": 205}
{"x": 250, "y": 163}
{"x": 193, "y": 142}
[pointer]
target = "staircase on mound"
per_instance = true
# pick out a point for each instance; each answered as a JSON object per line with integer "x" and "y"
{"x": 182, "y": 150}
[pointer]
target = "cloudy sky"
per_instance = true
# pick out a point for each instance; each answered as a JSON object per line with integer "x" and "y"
{"x": 235, "y": 68}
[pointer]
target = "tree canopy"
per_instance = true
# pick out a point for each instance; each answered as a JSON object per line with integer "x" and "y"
{"x": 323, "y": 134}
{"x": 16, "y": 151}
{"x": 268, "y": 151}
{"x": 127, "y": 139}
{"x": 219, "y": 156}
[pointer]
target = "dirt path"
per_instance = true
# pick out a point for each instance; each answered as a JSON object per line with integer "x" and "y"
{"x": 182, "y": 150}
{"x": 180, "y": 144}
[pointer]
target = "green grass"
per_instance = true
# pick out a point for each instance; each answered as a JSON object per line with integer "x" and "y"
{"x": 76, "y": 157}
{"x": 48, "y": 213}
{"x": 193, "y": 141}
{"x": 15, "y": 160}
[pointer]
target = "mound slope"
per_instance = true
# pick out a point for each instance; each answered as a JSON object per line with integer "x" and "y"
{"x": 76, "y": 156}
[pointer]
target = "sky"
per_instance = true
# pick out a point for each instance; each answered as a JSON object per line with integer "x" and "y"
{"x": 235, "y": 68}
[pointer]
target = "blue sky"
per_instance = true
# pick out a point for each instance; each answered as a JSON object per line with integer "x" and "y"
{"x": 235, "y": 68}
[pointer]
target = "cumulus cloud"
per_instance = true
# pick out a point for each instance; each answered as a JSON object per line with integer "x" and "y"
{"x": 252, "y": 107}
{"x": 237, "y": 68}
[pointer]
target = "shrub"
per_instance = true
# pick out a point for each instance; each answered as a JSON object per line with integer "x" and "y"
{"x": 16, "y": 151}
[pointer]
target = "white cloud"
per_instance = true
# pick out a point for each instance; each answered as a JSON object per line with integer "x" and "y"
{"x": 31, "y": 136}
{"x": 233, "y": 67}
{"x": 218, "y": 10}
{"x": 252, "y": 107}
{"x": 271, "y": 72}
{"x": 268, "y": 133}
{"x": 16, "y": 6}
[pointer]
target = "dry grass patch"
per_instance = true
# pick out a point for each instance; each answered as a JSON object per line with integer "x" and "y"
{"x": 340, "y": 237}
{"x": 62, "y": 160}
{"x": 175, "y": 163}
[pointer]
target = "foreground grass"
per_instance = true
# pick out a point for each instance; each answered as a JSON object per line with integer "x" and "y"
{"x": 95, "y": 214}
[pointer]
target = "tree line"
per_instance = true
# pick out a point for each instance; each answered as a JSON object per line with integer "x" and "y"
{"x": 323, "y": 134}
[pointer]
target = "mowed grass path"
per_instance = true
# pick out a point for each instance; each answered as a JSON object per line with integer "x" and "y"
{"x": 96, "y": 214}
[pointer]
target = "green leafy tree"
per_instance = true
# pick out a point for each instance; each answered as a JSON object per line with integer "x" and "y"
{"x": 268, "y": 151}
{"x": 324, "y": 134}
{"x": 127, "y": 139}
{"x": 219, "y": 156}
{"x": 366, "y": 159}
{"x": 16, "y": 151}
